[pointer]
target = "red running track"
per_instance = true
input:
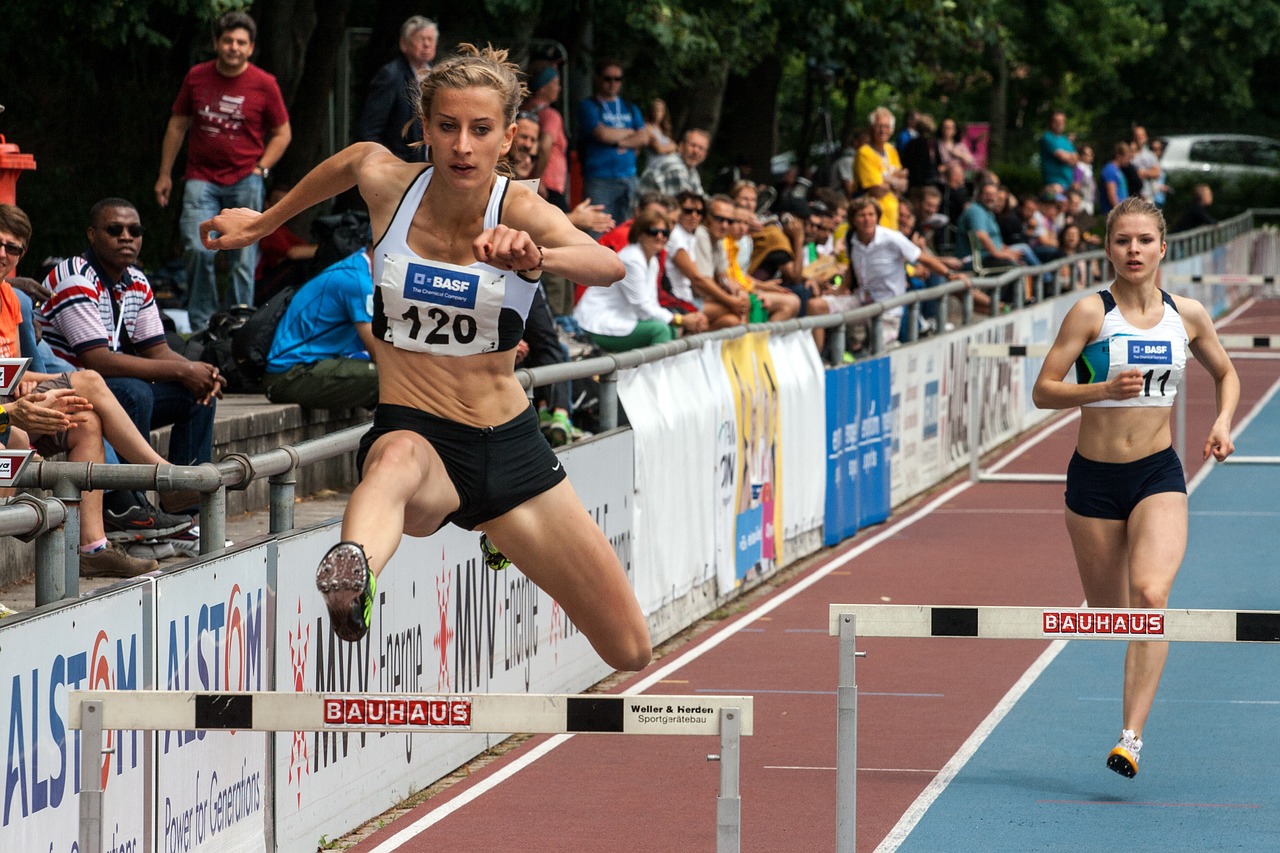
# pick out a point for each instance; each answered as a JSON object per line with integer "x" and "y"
{"x": 992, "y": 543}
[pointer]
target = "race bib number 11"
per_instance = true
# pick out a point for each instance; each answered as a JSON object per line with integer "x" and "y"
{"x": 440, "y": 308}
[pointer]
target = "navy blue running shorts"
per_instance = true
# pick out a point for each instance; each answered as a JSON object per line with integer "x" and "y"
{"x": 494, "y": 469}
{"x": 1113, "y": 489}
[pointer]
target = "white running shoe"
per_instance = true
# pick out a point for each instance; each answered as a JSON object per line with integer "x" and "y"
{"x": 1124, "y": 757}
{"x": 156, "y": 549}
{"x": 187, "y": 543}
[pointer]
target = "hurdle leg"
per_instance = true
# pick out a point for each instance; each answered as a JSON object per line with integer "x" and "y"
{"x": 729, "y": 803}
{"x": 91, "y": 777}
{"x": 847, "y": 740}
{"x": 975, "y": 433}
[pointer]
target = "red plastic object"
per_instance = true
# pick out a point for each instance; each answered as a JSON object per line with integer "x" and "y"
{"x": 12, "y": 164}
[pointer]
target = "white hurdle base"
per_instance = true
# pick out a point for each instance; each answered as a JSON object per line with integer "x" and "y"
{"x": 95, "y": 711}
{"x": 1251, "y": 460}
{"x": 847, "y": 621}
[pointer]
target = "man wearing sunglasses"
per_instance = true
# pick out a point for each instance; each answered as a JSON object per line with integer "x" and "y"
{"x": 103, "y": 316}
{"x": 610, "y": 130}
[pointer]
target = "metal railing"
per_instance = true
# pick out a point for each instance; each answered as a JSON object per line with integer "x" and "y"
{"x": 54, "y": 522}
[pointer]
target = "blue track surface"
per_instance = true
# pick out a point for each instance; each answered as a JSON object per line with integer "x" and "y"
{"x": 1210, "y": 775}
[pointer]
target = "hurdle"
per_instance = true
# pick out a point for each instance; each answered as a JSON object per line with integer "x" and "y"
{"x": 1222, "y": 278}
{"x": 96, "y": 711}
{"x": 977, "y": 473}
{"x": 1252, "y": 342}
{"x": 848, "y": 621}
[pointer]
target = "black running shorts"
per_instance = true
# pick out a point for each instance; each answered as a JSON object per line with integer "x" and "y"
{"x": 1113, "y": 489}
{"x": 494, "y": 469}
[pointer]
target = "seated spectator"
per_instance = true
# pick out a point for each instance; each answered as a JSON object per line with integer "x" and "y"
{"x": 687, "y": 272}
{"x": 746, "y": 198}
{"x": 1197, "y": 215}
{"x": 626, "y": 314}
{"x": 732, "y": 301}
{"x": 1037, "y": 225}
{"x": 283, "y": 257}
{"x": 103, "y": 317}
{"x": 691, "y": 264}
{"x": 922, "y": 157}
{"x": 619, "y": 237}
{"x": 769, "y": 297}
{"x": 73, "y": 413}
{"x": 129, "y": 516}
{"x": 932, "y": 224}
{"x": 787, "y": 252}
{"x": 953, "y": 149}
{"x": 980, "y": 232}
{"x": 677, "y": 172}
{"x": 1074, "y": 275}
{"x": 1113, "y": 186}
{"x": 879, "y": 258}
{"x": 320, "y": 356}
{"x": 955, "y": 193}
{"x": 878, "y": 170}
{"x": 1073, "y": 213}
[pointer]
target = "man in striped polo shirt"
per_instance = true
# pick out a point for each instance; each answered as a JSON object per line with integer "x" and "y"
{"x": 103, "y": 316}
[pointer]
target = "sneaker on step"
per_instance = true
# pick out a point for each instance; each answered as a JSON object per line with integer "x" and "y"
{"x": 114, "y": 562}
{"x": 347, "y": 585}
{"x": 1124, "y": 757}
{"x": 187, "y": 543}
{"x": 143, "y": 522}
{"x": 156, "y": 549}
{"x": 6, "y": 611}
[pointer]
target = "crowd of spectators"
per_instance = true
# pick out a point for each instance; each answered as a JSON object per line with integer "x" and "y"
{"x": 906, "y": 207}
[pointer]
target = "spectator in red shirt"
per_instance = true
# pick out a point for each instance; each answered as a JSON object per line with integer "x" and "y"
{"x": 241, "y": 129}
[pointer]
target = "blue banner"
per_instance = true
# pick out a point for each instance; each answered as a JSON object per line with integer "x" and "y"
{"x": 858, "y": 448}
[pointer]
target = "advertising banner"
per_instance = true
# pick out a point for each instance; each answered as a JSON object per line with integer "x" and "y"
{"x": 757, "y": 510}
{"x": 99, "y": 643}
{"x": 674, "y": 416}
{"x": 213, "y": 634}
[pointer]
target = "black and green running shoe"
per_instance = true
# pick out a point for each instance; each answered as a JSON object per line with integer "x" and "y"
{"x": 347, "y": 585}
{"x": 493, "y": 558}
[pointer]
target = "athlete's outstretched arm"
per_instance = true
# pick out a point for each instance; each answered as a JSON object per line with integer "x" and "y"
{"x": 360, "y": 163}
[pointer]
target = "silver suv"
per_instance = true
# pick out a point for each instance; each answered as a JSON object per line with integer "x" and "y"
{"x": 1244, "y": 171}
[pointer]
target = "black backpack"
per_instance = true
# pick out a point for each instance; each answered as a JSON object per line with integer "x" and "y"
{"x": 251, "y": 342}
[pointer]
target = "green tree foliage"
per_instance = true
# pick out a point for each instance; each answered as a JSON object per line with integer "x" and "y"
{"x": 88, "y": 84}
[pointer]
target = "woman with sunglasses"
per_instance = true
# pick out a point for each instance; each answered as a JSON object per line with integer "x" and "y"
{"x": 626, "y": 314}
{"x": 458, "y": 253}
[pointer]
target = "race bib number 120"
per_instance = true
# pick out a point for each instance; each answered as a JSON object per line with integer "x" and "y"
{"x": 440, "y": 308}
